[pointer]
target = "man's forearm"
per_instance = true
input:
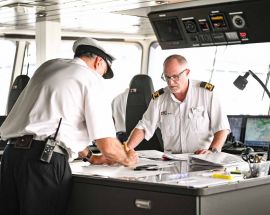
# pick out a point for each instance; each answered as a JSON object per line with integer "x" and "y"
{"x": 114, "y": 151}
{"x": 136, "y": 136}
{"x": 219, "y": 139}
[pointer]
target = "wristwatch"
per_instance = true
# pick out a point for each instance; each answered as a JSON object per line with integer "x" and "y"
{"x": 214, "y": 150}
{"x": 89, "y": 154}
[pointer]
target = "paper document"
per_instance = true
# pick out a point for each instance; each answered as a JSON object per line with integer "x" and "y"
{"x": 118, "y": 171}
{"x": 151, "y": 154}
{"x": 219, "y": 159}
{"x": 178, "y": 157}
{"x": 157, "y": 155}
{"x": 105, "y": 171}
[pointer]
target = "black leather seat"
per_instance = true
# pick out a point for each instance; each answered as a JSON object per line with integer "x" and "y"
{"x": 18, "y": 85}
{"x": 139, "y": 97}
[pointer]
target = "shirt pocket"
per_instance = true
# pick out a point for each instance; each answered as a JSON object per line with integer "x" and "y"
{"x": 199, "y": 120}
{"x": 168, "y": 125}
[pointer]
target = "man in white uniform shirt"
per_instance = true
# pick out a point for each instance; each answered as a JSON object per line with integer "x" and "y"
{"x": 188, "y": 113}
{"x": 70, "y": 90}
{"x": 119, "y": 105}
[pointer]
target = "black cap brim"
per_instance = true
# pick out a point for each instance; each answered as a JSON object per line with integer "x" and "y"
{"x": 109, "y": 74}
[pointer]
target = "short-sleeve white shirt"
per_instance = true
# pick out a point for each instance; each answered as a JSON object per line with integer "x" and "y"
{"x": 185, "y": 126}
{"x": 62, "y": 88}
{"x": 119, "y": 105}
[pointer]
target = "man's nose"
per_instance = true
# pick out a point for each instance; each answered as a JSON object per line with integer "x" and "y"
{"x": 170, "y": 81}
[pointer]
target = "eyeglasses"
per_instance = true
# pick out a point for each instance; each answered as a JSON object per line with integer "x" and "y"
{"x": 173, "y": 77}
{"x": 108, "y": 64}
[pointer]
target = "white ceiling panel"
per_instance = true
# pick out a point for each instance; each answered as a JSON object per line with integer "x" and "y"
{"x": 100, "y": 16}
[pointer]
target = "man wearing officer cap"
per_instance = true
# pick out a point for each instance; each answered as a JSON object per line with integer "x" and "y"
{"x": 70, "y": 91}
{"x": 88, "y": 45}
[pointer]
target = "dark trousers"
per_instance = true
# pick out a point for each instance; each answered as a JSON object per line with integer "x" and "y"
{"x": 30, "y": 186}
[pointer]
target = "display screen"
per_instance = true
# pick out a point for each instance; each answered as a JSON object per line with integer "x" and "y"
{"x": 168, "y": 30}
{"x": 257, "y": 132}
{"x": 236, "y": 125}
{"x": 204, "y": 25}
{"x": 218, "y": 21}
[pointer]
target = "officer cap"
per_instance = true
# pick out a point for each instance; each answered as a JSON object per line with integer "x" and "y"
{"x": 86, "y": 44}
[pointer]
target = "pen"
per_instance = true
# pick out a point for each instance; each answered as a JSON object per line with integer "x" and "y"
{"x": 236, "y": 172}
{"x": 146, "y": 167}
{"x": 222, "y": 176}
{"x": 126, "y": 148}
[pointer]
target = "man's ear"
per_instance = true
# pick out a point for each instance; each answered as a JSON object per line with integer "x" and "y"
{"x": 187, "y": 72}
{"x": 96, "y": 62}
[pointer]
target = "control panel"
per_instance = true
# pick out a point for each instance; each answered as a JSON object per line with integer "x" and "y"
{"x": 210, "y": 25}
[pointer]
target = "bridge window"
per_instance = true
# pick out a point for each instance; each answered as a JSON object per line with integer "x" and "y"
{"x": 7, "y": 54}
{"x": 127, "y": 63}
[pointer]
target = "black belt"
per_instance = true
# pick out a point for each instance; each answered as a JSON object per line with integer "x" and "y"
{"x": 25, "y": 142}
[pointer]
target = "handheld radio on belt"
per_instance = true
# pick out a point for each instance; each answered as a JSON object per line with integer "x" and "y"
{"x": 49, "y": 146}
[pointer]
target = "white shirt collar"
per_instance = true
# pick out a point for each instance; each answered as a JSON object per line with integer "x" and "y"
{"x": 79, "y": 61}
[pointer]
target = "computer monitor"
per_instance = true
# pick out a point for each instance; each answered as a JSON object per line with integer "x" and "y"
{"x": 168, "y": 29}
{"x": 237, "y": 125}
{"x": 257, "y": 132}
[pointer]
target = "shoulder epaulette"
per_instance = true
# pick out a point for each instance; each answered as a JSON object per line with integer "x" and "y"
{"x": 157, "y": 93}
{"x": 207, "y": 86}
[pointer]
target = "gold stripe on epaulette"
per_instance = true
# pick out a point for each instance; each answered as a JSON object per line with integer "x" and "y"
{"x": 157, "y": 93}
{"x": 207, "y": 86}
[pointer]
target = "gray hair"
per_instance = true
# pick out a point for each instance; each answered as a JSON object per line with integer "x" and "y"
{"x": 180, "y": 59}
